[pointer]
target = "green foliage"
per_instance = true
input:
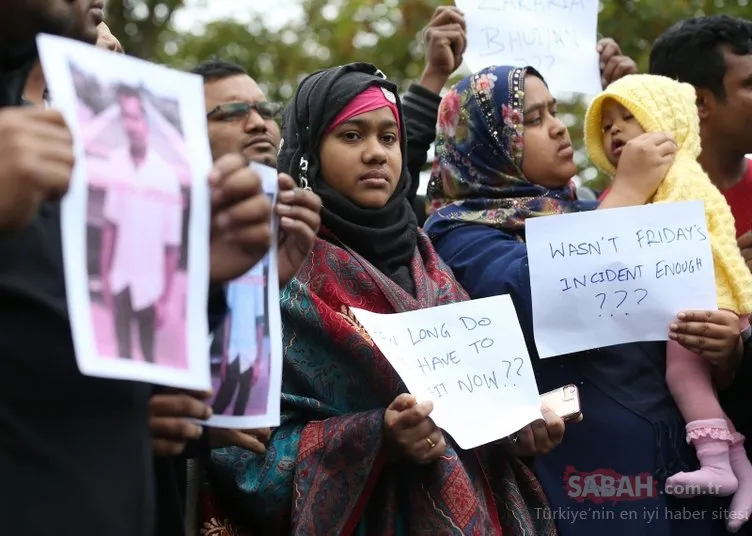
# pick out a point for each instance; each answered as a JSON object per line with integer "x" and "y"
{"x": 383, "y": 32}
{"x": 141, "y": 24}
{"x": 332, "y": 32}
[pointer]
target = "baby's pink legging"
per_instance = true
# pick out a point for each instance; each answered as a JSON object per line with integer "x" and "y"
{"x": 725, "y": 469}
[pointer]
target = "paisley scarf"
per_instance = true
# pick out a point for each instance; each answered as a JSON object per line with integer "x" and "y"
{"x": 325, "y": 472}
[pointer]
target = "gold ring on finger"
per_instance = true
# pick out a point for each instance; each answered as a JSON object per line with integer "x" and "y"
{"x": 430, "y": 442}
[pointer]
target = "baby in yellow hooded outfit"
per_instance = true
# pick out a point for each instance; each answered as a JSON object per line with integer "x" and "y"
{"x": 630, "y": 107}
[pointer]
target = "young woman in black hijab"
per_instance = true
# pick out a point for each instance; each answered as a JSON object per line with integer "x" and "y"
{"x": 356, "y": 454}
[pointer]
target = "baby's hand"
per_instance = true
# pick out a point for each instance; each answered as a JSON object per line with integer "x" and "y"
{"x": 714, "y": 335}
{"x": 643, "y": 164}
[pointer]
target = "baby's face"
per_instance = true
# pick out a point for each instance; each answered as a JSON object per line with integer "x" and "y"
{"x": 619, "y": 127}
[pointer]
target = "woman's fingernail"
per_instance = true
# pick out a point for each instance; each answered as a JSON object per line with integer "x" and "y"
{"x": 283, "y": 209}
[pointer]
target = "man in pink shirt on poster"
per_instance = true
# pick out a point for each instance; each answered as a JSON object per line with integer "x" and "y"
{"x": 142, "y": 234}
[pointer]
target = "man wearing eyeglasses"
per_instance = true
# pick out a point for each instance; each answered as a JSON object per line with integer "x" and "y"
{"x": 239, "y": 116}
{"x": 240, "y": 119}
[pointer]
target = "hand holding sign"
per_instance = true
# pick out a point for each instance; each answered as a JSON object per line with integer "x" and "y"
{"x": 540, "y": 437}
{"x": 613, "y": 63}
{"x": 445, "y": 41}
{"x": 37, "y": 159}
{"x": 299, "y": 221}
{"x": 171, "y": 420}
{"x": 410, "y": 432}
{"x": 713, "y": 335}
{"x": 467, "y": 358}
{"x": 241, "y": 216}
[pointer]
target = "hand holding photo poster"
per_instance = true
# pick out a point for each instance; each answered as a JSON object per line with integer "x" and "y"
{"x": 469, "y": 359}
{"x": 616, "y": 276}
{"x": 135, "y": 221}
{"x": 246, "y": 351}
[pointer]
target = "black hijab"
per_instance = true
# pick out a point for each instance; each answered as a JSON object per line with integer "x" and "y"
{"x": 385, "y": 237}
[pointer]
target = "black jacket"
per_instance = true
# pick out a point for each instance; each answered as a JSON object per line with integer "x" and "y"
{"x": 171, "y": 473}
{"x": 737, "y": 403}
{"x": 737, "y": 400}
{"x": 421, "y": 109}
{"x": 75, "y": 453}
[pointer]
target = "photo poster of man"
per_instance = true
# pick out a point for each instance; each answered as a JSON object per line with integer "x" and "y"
{"x": 135, "y": 221}
{"x": 246, "y": 350}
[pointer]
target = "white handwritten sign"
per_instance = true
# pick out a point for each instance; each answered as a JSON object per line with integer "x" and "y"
{"x": 557, "y": 37}
{"x": 469, "y": 359}
{"x": 616, "y": 276}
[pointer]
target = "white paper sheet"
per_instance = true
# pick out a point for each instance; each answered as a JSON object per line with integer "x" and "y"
{"x": 469, "y": 359}
{"x": 616, "y": 276}
{"x": 263, "y": 404}
{"x": 556, "y": 37}
{"x": 159, "y": 204}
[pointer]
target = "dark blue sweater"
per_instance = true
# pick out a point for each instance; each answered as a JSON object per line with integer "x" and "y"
{"x": 614, "y": 443}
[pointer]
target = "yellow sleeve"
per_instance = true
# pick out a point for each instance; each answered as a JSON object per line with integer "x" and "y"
{"x": 732, "y": 277}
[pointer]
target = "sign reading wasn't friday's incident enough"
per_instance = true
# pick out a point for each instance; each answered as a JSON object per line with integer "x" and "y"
{"x": 616, "y": 276}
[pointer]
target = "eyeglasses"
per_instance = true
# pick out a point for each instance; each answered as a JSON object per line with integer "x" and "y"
{"x": 239, "y": 111}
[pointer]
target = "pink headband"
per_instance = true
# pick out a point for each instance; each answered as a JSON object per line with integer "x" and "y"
{"x": 373, "y": 98}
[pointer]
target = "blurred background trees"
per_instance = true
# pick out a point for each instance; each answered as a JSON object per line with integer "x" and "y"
{"x": 384, "y": 32}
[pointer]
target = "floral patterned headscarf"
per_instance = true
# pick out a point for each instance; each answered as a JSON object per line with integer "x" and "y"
{"x": 477, "y": 172}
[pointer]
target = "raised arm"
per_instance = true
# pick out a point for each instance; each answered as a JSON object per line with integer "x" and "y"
{"x": 421, "y": 107}
{"x": 444, "y": 41}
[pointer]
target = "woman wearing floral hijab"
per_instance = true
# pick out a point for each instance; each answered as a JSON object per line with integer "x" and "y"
{"x": 504, "y": 156}
{"x": 355, "y": 454}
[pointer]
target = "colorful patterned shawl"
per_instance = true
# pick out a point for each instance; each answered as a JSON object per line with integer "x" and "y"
{"x": 324, "y": 472}
{"x": 477, "y": 172}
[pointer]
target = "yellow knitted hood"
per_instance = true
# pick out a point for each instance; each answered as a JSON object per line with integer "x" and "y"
{"x": 658, "y": 103}
{"x": 663, "y": 105}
